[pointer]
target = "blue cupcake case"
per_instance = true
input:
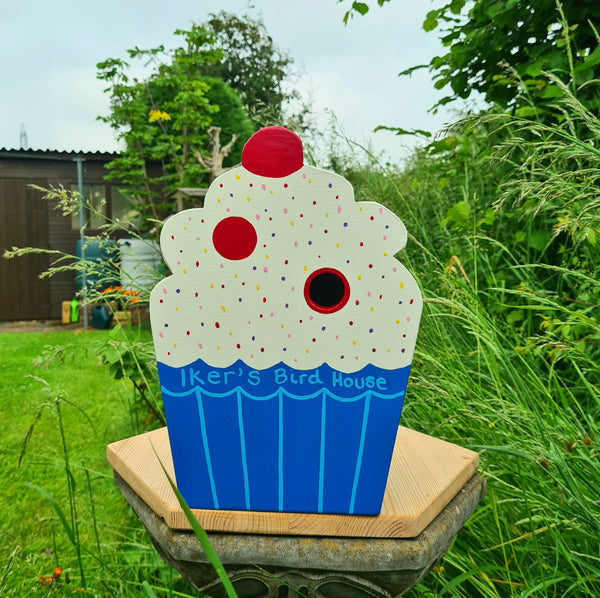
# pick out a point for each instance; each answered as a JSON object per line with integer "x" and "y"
{"x": 280, "y": 439}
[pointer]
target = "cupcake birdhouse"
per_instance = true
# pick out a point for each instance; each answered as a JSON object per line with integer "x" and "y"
{"x": 284, "y": 338}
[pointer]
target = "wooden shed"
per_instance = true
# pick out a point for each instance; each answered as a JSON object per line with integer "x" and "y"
{"x": 27, "y": 220}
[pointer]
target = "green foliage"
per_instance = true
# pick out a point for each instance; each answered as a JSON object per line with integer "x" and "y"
{"x": 505, "y": 49}
{"x": 358, "y": 7}
{"x": 502, "y": 49}
{"x": 163, "y": 116}
{"x": 160, "y": 119}
{"x": 129, "y": 355}
{"x": 231, "y": 118}
{"x": 71, "y": 523}
{"x": 503, "y": 223}
{"x": 66, "y": 526}
{"x": 64, "y": 454}
{"x": 252, "y": 65}
{"x": 101, "y": 274}
{"x": 225, "y": 68}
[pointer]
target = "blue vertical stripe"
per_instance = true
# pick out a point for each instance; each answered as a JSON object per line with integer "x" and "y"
{"x": 361, "y": 449}
{"x": 322, "y": 452}
{"x": 243, "y": 450}
{"x": 211, "y": 478}
{"x": 280, "y": 450}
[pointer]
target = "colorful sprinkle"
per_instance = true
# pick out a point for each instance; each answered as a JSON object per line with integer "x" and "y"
{"x": 327, "y": 229}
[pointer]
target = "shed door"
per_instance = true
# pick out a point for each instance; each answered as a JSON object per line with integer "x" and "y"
{"x": 23, "y": 223}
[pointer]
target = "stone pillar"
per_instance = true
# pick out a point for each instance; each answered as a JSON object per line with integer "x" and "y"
{"x": 273, "y": 566}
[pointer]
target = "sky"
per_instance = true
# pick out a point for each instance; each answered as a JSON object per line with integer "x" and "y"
{"x": 49, "y": 51}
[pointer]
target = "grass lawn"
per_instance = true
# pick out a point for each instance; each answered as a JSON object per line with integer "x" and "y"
{"x": 94, "y": 411}
{"x": 535, "y": 534}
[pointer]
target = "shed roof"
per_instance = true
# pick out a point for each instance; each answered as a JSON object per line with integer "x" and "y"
{"x": 51, "y": 154}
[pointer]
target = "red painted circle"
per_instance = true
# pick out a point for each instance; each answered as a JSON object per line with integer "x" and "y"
{"x": 234, "y": 238}
{"x": 326, "y": 290}
{"x": 273, "y": 152}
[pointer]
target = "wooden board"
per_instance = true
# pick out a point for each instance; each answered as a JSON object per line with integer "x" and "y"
{"x": 426, "y": 473}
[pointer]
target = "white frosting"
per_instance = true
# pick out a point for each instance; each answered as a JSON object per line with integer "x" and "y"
{"x": 254, "y": 309}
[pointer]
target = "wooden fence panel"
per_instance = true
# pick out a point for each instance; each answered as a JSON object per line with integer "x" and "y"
{"x": 23, "y": 223}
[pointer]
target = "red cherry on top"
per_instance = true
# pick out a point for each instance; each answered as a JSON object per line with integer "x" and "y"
{"x": 273, "y": 152}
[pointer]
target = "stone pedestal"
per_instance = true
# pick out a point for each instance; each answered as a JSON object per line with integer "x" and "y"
{"x": 432, "y": 490}
{"x": 274, "y": 566}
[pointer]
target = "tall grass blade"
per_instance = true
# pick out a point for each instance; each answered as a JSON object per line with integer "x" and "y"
{"x": 68, "y": 529}
{"x": 8, "y": 569}
{"x": 28, "y": 435}
{"x": 466, "y": 575}
{"x": 57, "y": 510}
{"x": 148, "y": 590}
{"x": 213, "y": 557}
{"x": 93, "y": 509}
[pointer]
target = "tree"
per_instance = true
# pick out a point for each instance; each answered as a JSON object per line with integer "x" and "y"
{"x": 503, "y": 48}
{"x": 251, "y": 62}
{"x": 232, "y": 119}
{"x": 163, "y": 118}
{"x": 527, "y": 39}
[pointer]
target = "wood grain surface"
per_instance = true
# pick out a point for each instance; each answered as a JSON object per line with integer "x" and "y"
{"x": 425, "y": 474}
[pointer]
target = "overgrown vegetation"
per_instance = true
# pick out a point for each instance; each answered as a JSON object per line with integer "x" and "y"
{"x": 488, "y": 41}
{"x": 504, "y": 220}
{"x": 504, "y": 223}
{"x": 486, "y": 38}
{"x": 66, "y": 528}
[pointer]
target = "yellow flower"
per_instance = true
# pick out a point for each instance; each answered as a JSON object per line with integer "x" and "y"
{"x": 155, "y": 115}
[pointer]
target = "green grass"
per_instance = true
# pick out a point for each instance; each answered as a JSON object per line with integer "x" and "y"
{"x": 95, "y": 410}
{"x": 537, "y": 531}
{"x": 503, "y": 243}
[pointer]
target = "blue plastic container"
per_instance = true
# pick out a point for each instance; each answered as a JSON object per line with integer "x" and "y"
{"x": 140, "y": 263}
{"x": 100, "y": 256}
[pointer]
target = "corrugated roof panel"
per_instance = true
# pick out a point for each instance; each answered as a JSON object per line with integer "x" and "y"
{"x": 8, "y": 152}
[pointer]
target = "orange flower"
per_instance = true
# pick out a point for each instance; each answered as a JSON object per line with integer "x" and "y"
{"x": 56, "y": 573}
